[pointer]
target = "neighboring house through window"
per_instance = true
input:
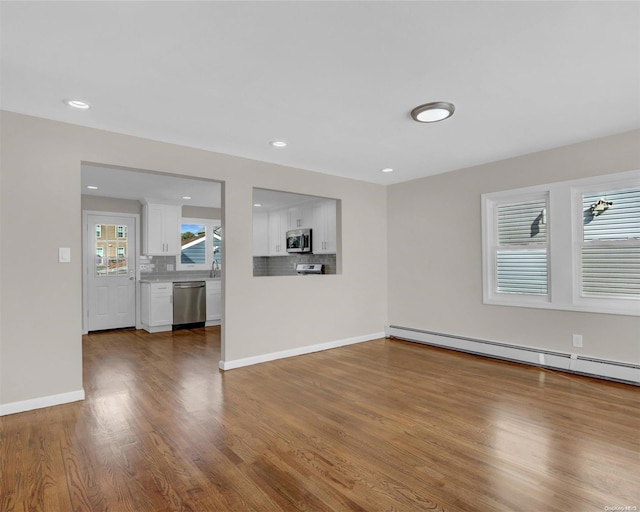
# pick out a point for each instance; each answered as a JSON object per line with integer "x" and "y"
{"x": 200, "y": 244}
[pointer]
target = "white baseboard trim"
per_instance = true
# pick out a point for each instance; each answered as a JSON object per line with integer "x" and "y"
{"x": 39, "y": 403}
{"x": 602, "y": 368}
{"x": 272, "y": 356}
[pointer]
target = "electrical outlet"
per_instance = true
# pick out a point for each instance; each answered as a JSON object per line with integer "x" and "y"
{"x": 577, "y": 340}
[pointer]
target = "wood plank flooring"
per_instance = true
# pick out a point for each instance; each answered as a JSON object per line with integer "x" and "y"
{"x": 379, "y": 426}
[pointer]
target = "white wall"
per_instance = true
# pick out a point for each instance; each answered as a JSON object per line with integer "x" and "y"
{"x": 40, "y": 299}
{"x": 435, "y": 254}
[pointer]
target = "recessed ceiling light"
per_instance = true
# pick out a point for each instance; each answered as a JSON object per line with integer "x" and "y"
{"x": 387, "y": 169}
{"x": 278, "y": 143}
{"x": 92, "y": 187}
{"x": 433, "y": 112}
{"x": 186, "y": 197}
{"x": 257, "y": 205}
{"x": 79, "y": 104}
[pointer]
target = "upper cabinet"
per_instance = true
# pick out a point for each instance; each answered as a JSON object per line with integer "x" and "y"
{"x": 278, "y": 226}
{"x": 160, "y": 229}
{"x": 324, "y": 227}
{"x": 300, "y": 216}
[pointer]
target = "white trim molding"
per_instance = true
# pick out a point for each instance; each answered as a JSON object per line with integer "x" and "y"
{"x": 41, "y": 402}
{"x": 309, "y": 349}
{"x": 593, "y": 367}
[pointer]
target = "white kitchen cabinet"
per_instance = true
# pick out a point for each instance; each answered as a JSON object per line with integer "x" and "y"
{"x": 261, "y": 234}
{"x": 156, "y": 306}
{"x": 214, "y": 302}
{"x": 161, "y": 229}
{"x": 278, "y": 225}
{"x": 324, "y": 227}
{"x": 300, "y": 216}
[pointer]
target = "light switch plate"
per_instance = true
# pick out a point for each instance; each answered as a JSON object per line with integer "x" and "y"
{"x": 64, "y": 254}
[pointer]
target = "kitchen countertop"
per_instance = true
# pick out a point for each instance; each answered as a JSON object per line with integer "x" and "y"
{"x": 176, "y": 279}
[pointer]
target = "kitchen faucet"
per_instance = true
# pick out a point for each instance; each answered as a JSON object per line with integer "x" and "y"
{"x": 214, "y": 269}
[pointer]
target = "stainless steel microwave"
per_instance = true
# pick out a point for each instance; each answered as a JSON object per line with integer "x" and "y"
{"x": 299, "y": 240}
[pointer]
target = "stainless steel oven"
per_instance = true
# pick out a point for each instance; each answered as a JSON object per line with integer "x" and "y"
{"x": 299, "y": 240}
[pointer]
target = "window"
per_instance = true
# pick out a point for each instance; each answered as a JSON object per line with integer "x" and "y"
{"x": 518, "y": 248}
{"x": 569, "y": 245}
{"x": 521, "y": 249}
{"x": 610, "y": 244}
{"x": 201, "y": 245}
{"x": 111, "y": 250}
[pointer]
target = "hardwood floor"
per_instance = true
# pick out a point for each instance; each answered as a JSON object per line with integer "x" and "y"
{"x": 379, "y": 426}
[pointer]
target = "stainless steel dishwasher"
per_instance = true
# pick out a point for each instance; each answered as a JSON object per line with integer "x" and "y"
{"x": 189, "y": 304}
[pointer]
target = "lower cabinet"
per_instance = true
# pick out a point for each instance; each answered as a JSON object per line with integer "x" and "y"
{"x": 156, "y": 306}
{"x": 214, "y": 303}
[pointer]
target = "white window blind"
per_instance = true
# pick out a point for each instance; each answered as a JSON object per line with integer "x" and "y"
{"x": 522, "y": 248}
{"x": 610, "y": 249}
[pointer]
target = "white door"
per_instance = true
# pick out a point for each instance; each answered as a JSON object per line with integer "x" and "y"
{"x": 111, "y": 273}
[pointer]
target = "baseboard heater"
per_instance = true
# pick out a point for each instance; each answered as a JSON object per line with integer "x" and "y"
{"x": 574, "y": 363}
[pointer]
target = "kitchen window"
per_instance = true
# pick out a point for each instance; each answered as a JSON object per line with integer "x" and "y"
{"x": 200, "y": 245}
{"x": 571, "y": 245}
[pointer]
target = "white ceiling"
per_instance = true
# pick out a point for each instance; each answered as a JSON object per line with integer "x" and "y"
{"x": 337, "y": 80}
{"x": 138, "y": 185}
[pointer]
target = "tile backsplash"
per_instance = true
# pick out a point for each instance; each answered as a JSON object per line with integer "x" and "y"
{"x": 286, "y": 265}
{"x": 165, "y": 267}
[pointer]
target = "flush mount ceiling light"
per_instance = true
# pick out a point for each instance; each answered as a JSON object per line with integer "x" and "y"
{"x": 278, "y": 143}
{"x": 433, "y": 112}
{"x": 186, "y": 197}
{"x": 92, "y": 187}
{"x": 79, "y": 104}
{"x": 257, "y": 205}
{"x": 387, "y": 169}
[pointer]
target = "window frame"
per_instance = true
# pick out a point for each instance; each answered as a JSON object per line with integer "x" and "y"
{"x": 491, "y": 246}
{"x": 593, "y": 303}
{"x": 564, "y": 238}
{"x": 209, "y": 227}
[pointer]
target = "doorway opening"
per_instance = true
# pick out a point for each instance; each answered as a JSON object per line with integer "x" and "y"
{"x": 121, "y": 248}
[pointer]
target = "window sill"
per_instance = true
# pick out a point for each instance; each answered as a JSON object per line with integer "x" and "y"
{"x": 628, "y": 308}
